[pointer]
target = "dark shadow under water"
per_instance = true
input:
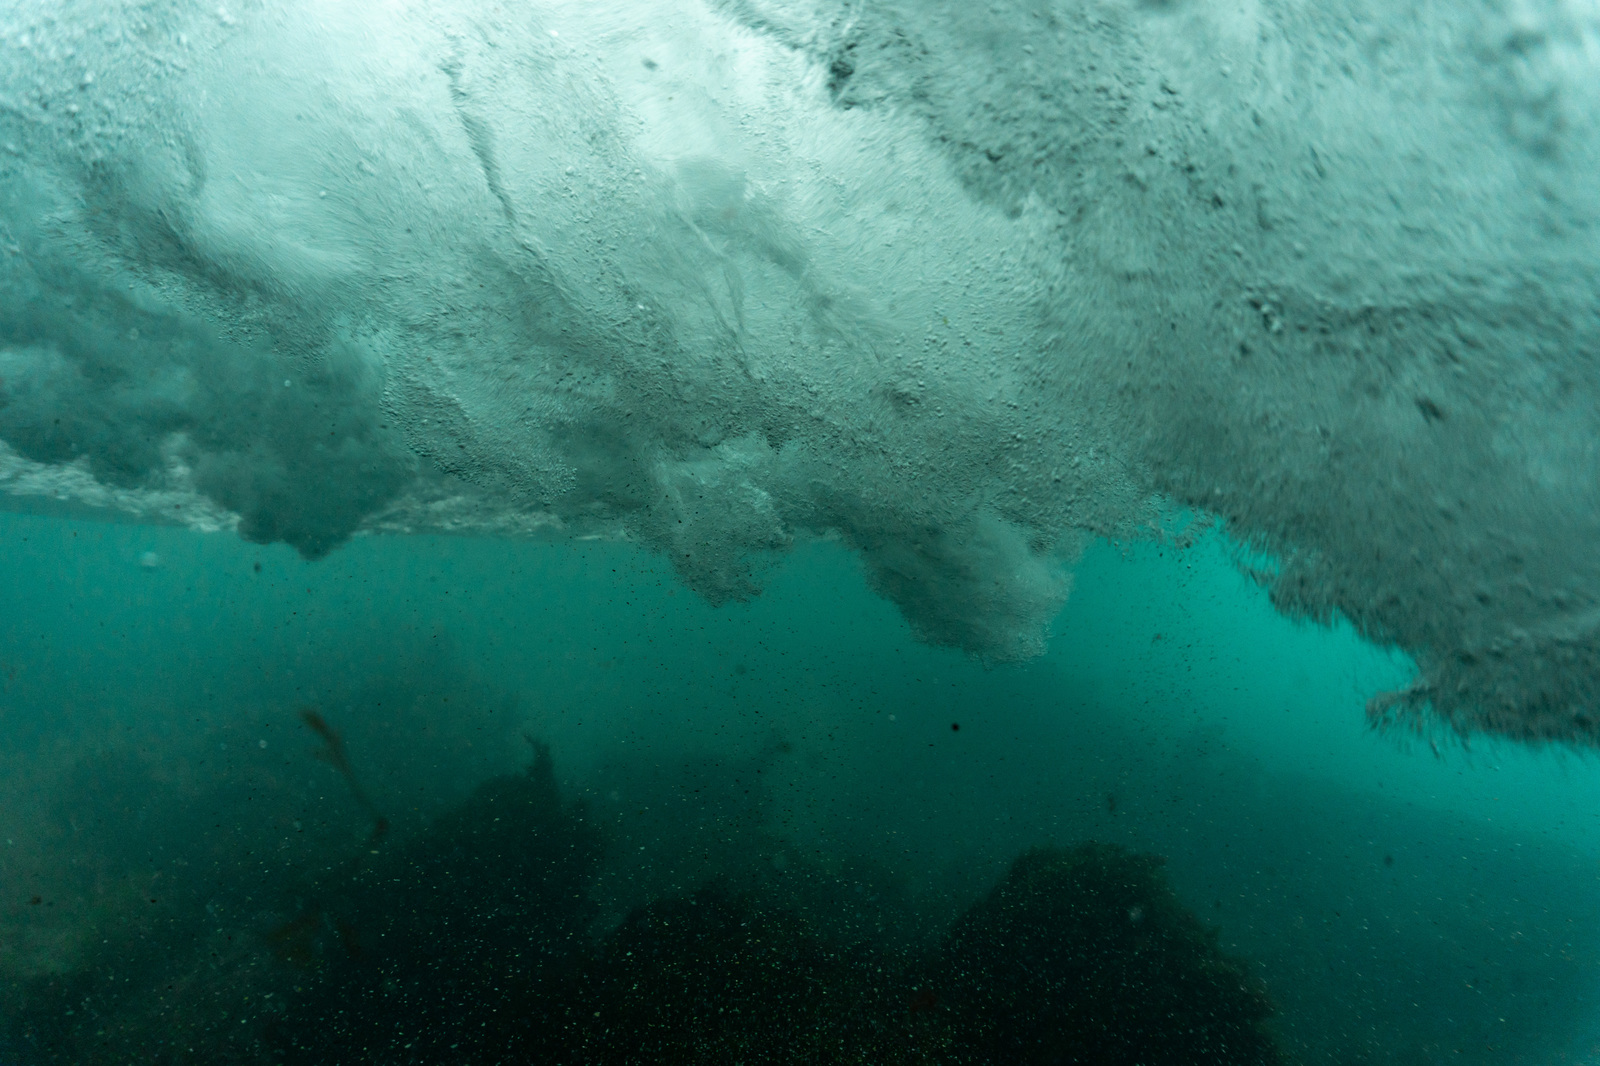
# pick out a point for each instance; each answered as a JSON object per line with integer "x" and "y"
{"x": 246, "y": 917}
{"x": 476, "y": 940}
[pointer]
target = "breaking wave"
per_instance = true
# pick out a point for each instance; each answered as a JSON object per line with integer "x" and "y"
{"x": 961, "y": 286}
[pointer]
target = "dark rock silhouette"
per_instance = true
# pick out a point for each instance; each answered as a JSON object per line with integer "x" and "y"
{"x": 1085, "y": 955}
{"x": 477, "y": 939}
{"x": 456, "y": 945}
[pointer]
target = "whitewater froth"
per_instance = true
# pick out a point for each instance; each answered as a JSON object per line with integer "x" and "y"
{"x": 958, "y": 286}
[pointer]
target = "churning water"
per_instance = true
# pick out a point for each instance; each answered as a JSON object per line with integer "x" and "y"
{"x": 815, "y": 531}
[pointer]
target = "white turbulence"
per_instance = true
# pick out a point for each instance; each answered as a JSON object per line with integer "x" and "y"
{"x": 959, "y": 284}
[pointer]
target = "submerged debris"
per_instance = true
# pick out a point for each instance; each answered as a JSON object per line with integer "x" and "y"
{"x": 333, "y": 754}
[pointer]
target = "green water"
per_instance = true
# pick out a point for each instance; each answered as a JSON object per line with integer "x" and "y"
{"x": 1405, "y": 899}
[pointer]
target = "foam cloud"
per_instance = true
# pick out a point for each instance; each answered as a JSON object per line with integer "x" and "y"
{"x": 958, "y": 285}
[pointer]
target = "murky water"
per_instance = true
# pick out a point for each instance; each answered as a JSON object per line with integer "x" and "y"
{"x": 184, "y": 863}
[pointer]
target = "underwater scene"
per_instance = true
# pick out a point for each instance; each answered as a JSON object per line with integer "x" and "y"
{"x": 800, "y": 531}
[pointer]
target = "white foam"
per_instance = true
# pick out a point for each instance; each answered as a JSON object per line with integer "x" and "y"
{"x": 959, "y": 285}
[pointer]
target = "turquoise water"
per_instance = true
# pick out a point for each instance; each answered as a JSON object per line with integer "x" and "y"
{"x": 1404, "y": 898}
{"x": 805, "y": 532}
